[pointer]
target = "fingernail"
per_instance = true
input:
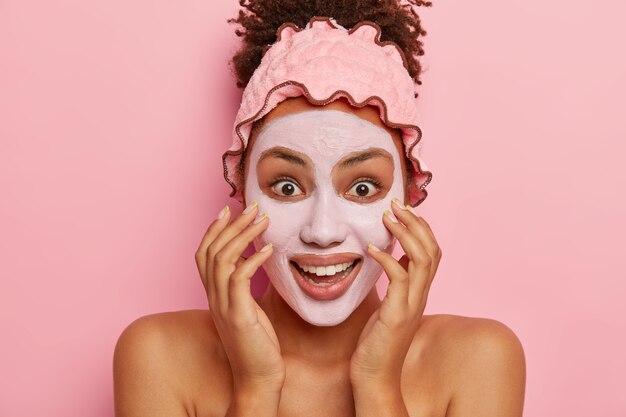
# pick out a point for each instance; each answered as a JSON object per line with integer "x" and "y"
{"x": 411, "y": 209}
{"x": 388, "y": 214}
{"x": 250, "y": 207}
{"x": 266, "y": 247}
{"x": 223, "y": 212}
{"x": 398, "y": 204}
{"x": 374, "y": 248}
{"x": 260, "y": 218}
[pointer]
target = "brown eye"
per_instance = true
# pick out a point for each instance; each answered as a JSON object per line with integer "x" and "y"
{"x": 286, "y": 188}
{"x": 364, "y": 189}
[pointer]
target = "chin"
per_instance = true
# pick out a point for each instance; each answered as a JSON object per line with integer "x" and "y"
{"x": 324, "y": 312}
{"x": 325, "y": 320}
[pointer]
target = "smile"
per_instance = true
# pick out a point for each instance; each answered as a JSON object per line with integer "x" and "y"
{"x": 325, "y": 277}
{"x": 328, "y": 270}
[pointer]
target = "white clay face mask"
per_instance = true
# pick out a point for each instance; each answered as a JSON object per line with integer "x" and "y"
{"x": 320, "y": 265}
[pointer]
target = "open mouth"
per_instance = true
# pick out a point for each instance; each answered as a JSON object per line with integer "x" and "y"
{"x": 326, "y": 275}
{"x": 328, "y": 281}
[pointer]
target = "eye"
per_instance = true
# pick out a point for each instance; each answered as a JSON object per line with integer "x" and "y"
{"x": 286, "y": 188}
{"x": 365, "y": 188}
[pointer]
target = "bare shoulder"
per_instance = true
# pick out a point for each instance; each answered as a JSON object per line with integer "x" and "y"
{"x": 159, "y": 360}
{"x": 466, "y": 335}
{"x": 168, "y": 336}
{"x": 482, "y": 361}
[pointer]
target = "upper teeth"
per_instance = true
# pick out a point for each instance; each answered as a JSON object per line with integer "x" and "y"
{"x": 326, "y": 270}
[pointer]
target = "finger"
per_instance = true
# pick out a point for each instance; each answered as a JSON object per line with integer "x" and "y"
{"x": 240, "y": 261}
{"x": 216, "y": 226}
{"x": 432, "y": 246}
{"x": 201, "y": 253}
{"x": 437, "y": 249}
{"x": 416, "y": 225}
{"x": 241, "y": 302}
{"x": 234, "y": 249}
{"x": 419, "y": 279}
{"x": 415, "y": 291}
{"x": 434, "y": 250}
{"x": 431, "y": 277}
{"x": 420, "y": 262}
{"x": 411, "y": 245}
{"x": 234, "y": 228}
{"x": 224, "y": 237}
{"x": 398, "y": 289}
{"x": 420, "y": 286}
{"x": 428, "y": 258}
{"x": 226, "y": 258}
{"x": 426, "y": 225}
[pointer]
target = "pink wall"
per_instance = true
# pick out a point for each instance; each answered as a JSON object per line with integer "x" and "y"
{"x": 113, "y": 117}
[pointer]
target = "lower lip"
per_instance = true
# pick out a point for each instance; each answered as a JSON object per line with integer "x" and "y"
{"x": 327, "y": 292}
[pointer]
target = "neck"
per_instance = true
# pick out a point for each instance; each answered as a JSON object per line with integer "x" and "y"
{"x": 322, "y": 345}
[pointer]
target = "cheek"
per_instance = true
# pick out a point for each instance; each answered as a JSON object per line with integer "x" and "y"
{"x": 367, "y": 225}
{"x": 368, "y": 218}
{"x": 284, "y": 221}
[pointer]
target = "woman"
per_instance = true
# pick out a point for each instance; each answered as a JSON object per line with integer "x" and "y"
{"x": 325, "y": 159}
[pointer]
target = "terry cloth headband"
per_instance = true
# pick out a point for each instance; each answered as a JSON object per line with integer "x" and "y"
{"x": 323, "y": 62}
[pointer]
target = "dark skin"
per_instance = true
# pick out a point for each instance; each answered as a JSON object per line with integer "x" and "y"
{"x": 369, "y": 163}
{"x": 198, "y": 363}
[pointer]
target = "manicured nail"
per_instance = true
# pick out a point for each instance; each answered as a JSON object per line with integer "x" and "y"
{"x": 388, "y": 214}
{"x": 266, "y": 247}
{"x": 260, "y": 218}
{"x": 410, "y": 209}
{"x": 374, "y": 248}
{"x": 223, "y": 212}
{"x": 398, "y": 204}
{"x": 250, "y": 207}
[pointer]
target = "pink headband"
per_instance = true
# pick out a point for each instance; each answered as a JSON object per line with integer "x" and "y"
{"x": 324, "y": 62}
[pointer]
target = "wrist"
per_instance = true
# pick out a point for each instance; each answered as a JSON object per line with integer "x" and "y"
{"x": 254, "y": 400}
{"x": 375, "y": 379}
{"x": 253, "y": 383}
{"x": 378, "y": 399}
{"x": 258, "y": 386}
{"x": 382, "y": 387}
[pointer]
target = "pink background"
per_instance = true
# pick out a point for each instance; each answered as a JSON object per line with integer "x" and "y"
{"x": 113, "y": 117}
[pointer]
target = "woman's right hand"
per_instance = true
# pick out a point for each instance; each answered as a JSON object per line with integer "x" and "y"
{"x": 246, "y": 333}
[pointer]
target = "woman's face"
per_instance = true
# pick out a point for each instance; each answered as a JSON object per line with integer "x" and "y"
{"x": 324, "y": 175}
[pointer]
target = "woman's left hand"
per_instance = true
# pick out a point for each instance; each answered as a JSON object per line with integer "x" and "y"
{"x": 386, "y": 338}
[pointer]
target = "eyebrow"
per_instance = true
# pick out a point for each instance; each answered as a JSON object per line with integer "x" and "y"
{"x": 283, "y": 153}
{"x": 364, "y": 156}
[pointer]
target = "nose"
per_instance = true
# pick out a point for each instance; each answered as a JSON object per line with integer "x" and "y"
{"x": 325, "y": 225}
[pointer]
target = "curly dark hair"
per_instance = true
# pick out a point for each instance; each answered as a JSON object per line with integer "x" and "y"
{"x": 399, "y": 23}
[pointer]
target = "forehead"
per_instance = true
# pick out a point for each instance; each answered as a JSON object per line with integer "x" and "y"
{"x": 301, "y": 104}
{"x": 327, "y": 134}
